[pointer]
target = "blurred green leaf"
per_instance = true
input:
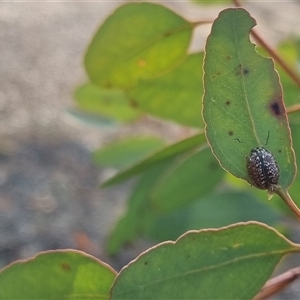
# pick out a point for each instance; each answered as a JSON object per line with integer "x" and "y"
{"x": 186, "y": 181}
{"x": 125, "y": 152}
{"x": 190, "y": 268}
{"x": 139, "y": 40}
{"x": 211, "y": 211}
{"x": 92, "y": 120}
{"x": 133, "y": 224}
{"x": 243, "y": 99}
{"x": 157, "y": 158}
{"x": 57, "y": 274}
{"x": 110, "y": 103}
{"x": 176, "y": 95}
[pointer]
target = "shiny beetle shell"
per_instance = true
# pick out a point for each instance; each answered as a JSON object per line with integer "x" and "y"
{"x": 262, "y": 169}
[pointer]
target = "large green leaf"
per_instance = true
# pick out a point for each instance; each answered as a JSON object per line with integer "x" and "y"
{"x": 111, "y": 103}
{"x": 186, "y": 181}
{"x": 139, "y": 40}
{"x": 157, "y": 158}
{"x": 57, "y": 275}
{"x": 125, "y": 152}
{"x": 230, "y": 263}
{"x": 176, "y": 95}
{"x": 243, "y": 102}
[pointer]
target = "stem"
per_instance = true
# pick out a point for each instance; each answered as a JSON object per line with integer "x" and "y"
{"x": 284, "y": 195}
{"x": 276, "y": 284}
{"x": 273, "y": 53}
{"x": 293, "y": 109}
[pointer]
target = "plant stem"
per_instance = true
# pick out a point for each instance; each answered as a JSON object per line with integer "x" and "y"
{"x": 276, "y": 284}
{"x": 284, "y": 195}
{"x": 293, "y": 109}
{"x": 273, "y": 53}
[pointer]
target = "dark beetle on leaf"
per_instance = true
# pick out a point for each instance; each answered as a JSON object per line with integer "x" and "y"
{"x": 262, "y": 169}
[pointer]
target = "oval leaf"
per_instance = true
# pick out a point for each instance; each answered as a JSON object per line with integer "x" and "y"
{"x": 243, "y": 104}
{"x": 243, "y": 256}
{"x": 57, "y": 274}
{"x": 139, "y": 40}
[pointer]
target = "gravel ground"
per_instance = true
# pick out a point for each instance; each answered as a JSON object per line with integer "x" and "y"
{"x": 49, "y": 195}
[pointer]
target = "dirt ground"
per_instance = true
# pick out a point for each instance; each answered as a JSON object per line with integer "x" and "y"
{"x": 49, "y": 189}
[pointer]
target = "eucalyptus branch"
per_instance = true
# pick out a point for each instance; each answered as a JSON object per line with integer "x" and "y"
{"x": 276, "y": 284}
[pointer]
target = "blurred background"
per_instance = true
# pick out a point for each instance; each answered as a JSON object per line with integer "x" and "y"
{"x": 49, "y": 188}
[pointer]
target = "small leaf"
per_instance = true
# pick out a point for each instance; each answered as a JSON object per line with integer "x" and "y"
{"x": 57, "y": 274}
{"x": 110, "y": 103}
{"x": 243, "y": 102}
{"x": 174, "y": 96}
{"x": 124, "y": 153}
{"x": 139, "y": 40}
{"x": 157, "y": 158}
{"x": 186, "y": 181}
{"x": 243, "y": 256}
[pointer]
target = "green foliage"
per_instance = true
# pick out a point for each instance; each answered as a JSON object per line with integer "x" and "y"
{"x": 57, "y": 275}
{"x": 139, "y": 66}
{"x": 110, "y": 103}
{"x": 192, "y": 267}
{"x": 248, "y": 105}
{"x": 130, "y": 46}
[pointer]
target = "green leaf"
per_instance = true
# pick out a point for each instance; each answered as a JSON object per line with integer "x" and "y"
{"x": 136, "y": 217}
{"x": 176, "y": 95}
{"x": 92, "y": 120}
{"x": 243, "y": 256}
{"x": 57, "y": 275}
{"x": 125, "y": 152}
{"x": 139, "y": 40}
{"x": 243, "y": 101}
{"x": 157, "y": 158}
{"x": 111, "y": 103}
{"x": 211, "y": 211}
{"x": 186, "y": 181}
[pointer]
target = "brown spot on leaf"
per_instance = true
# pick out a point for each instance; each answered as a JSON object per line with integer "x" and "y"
{"x": 107, "y": 84}
{"x": 227, "y": 102}
{"x": 133, "y": 103}
{"x": 276, "y": 108}
{"x": 241, "y": 70}
{"x": 142, "y": 63}
{"x": 228, "y": 57}
{"x": 167, "y": 33}
{"x": 230, "y": 133}
{"x": 65, "y": 266}
{"x": 279, "y": 151}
